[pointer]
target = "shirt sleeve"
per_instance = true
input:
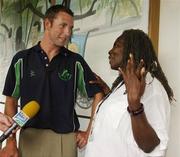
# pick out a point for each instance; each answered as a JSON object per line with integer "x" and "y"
{"x": 84, "y": 75}
{"x": 157, "y": 110}
{"x": 12, "y": 82}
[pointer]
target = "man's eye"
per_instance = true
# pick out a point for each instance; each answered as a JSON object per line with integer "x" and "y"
{"x": 62, "y": 25}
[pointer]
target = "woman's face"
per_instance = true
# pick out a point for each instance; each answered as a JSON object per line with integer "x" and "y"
{"x": 116, "y": 54}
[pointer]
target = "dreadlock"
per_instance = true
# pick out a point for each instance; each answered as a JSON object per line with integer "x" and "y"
{"x": 139, "y": 44}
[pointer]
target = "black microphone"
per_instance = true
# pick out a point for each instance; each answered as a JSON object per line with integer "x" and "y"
{"x": 20, "y": 119}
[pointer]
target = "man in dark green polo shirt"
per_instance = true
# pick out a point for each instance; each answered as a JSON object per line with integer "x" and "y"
{"x": 51, "y": 75}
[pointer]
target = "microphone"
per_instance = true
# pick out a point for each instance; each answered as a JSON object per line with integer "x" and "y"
{"x": 20, "y": 119}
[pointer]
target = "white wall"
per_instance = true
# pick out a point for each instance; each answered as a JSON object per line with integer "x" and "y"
{"x": 169, "y": 56}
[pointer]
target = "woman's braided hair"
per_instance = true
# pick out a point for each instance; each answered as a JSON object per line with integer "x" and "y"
{"x": 139, "y": 44}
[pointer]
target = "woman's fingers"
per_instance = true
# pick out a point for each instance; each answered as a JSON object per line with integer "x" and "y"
{"x": 139, "y": 68}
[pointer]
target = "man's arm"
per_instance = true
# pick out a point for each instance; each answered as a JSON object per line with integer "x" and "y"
{"x": 97, "y": 98}
{"x": 82, "y": 136}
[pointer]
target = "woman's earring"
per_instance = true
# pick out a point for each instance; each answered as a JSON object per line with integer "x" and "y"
{"x": 154, "y": 66}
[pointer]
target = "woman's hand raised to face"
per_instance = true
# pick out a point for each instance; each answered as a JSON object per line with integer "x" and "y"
{"x": 134, "y": 79}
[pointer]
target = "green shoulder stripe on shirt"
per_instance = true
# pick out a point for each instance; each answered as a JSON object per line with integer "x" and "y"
{"x": 81, "y": 85}
{"x": 18, "y": 67}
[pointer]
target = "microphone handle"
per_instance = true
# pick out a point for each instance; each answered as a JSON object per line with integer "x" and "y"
{"x": 8, "y": 132}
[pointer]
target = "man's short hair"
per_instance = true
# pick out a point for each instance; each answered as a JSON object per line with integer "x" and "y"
{"x": 55, "y": 9}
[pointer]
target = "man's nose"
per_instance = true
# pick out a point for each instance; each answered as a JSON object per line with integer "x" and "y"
{"x": 68, "y": 31}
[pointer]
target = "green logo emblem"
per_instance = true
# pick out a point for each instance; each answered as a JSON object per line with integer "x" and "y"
{"x": 65, "y": 75}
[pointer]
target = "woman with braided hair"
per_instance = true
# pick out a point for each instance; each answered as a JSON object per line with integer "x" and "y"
{"x": 133, "y": 119}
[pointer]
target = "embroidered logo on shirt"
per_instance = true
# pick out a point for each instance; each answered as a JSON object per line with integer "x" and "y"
{"x": 32, "y": 73}
{"x": 65, "y": 75}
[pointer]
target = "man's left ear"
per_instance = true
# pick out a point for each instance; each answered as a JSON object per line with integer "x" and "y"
{"x": 47, "y": 24}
